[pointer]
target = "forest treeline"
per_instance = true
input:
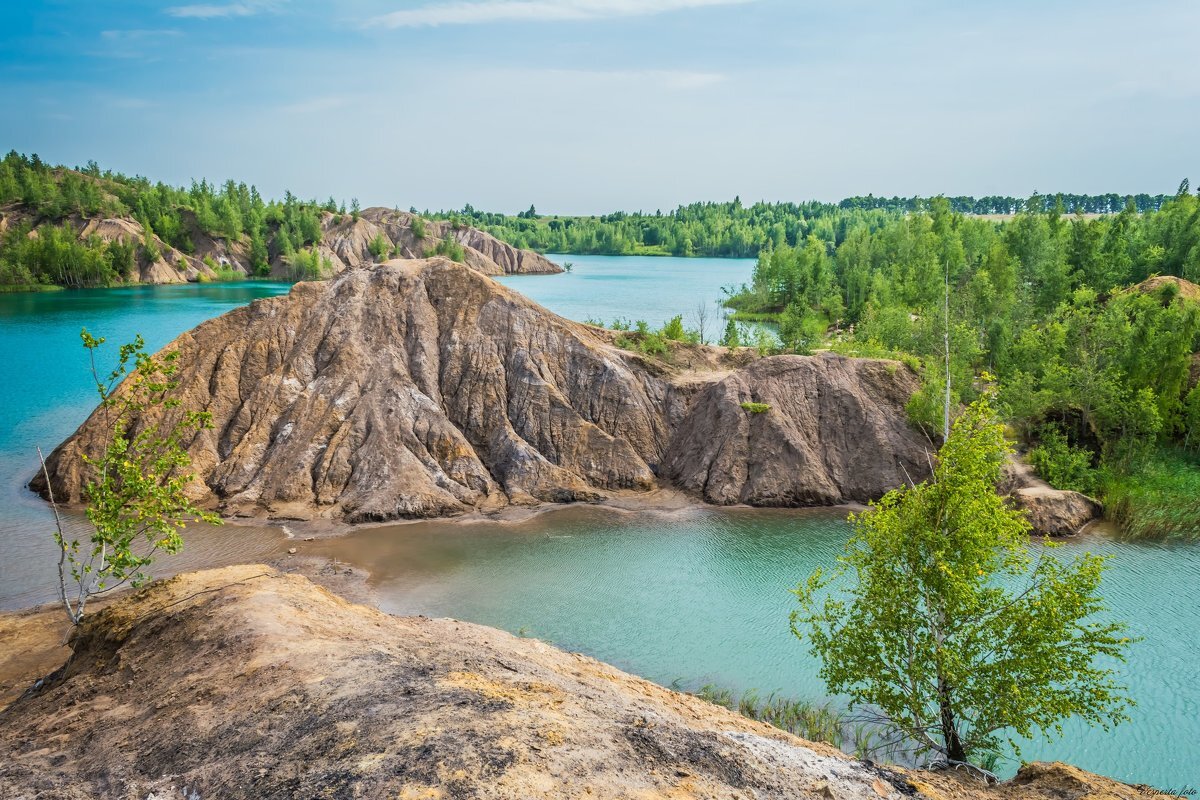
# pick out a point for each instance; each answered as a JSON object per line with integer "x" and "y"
{"x": 50, "y": 197}
{"x": 734, "y": 230}
{"x": 1088, "y": 328}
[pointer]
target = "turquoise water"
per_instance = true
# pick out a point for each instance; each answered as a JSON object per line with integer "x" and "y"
{"x": 696, "y": 596}
{"x": 701, "y": 596}
{"x": 651, "y": 288}
{"x": 48, "y": 392}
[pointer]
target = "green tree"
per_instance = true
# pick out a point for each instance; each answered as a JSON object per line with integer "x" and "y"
{"x": 417, "y": 226}
{"x": 949, "y": 629}
{"x": 674, "y": 329}
{"x": 379, "y": 246}
{"x": 137, "y": 502}
{"x": 731, "y": 337}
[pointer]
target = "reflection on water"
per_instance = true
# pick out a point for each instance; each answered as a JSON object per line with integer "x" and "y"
{"x": 31, "y": 574}
{"x": 702, "y": 596}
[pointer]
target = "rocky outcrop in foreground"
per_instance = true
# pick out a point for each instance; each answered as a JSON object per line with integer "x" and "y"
{"x": 423, "y": 388}
{"x": 245, "y": 682}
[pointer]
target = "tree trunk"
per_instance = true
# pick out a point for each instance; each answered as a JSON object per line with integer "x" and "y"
{"x": 954, "y": 748}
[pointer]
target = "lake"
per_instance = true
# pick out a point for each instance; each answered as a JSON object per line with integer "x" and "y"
{"x": 701, "y": 596}
{"x": 651, "y": 288}
{"x": 48, "y": 392}
{"x": 691, "y": 596}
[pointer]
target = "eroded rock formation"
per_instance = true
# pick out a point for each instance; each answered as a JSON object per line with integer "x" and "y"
{"x": 423, "y": 388}
{"x": 346, "y": 242}
{"x": 799, "y": 431}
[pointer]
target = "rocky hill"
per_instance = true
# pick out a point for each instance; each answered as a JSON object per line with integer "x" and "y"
{"x": 421, "y": 388}
{"x": 244, "y": 682}
{"x": 344, "y": 242}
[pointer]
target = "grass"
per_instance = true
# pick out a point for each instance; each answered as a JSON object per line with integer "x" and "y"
{"x": 14, "y": 288}
{"x": 754, "y": 316}
{"x": 1159, "y": 499}
{"x": 756, "y": 408}
{"x": 817, "y": 723}
{"x": 225, "y": 274}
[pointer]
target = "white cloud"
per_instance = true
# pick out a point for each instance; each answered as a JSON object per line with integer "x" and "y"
{"x": 481, "y": 11}
{"x": 660, "y": 78}
{"x": 222, "y": 10}
{"x": 315, "y": 105}
{"x": 137, "y": 34}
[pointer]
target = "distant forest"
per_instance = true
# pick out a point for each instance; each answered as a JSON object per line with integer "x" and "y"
{"x": 734, "y": 230}
{"x": 48, "y": 197}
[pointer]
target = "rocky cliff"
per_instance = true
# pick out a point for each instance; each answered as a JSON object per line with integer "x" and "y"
{"x": 799, "y": 431}
{"x": 422, "y": 388}
{"x": 245, "y": 682}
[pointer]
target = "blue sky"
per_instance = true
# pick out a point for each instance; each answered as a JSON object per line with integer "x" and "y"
{"x": 586, "y": 106}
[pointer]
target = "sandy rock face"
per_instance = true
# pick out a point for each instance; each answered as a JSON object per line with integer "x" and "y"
{"x": 244, "y": 682}
{"x": 834, "y": 430}
{"x": 422, "y": 388}
{"x": 1057, "y": 513}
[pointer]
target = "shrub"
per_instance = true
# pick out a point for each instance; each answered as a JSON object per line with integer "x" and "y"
{"x": 417, "y": 226}
{"x": 379, "y": 247}
{"x": 756, "y": 408}
{"x": 136, "y": 494}
{"x": 1062, "y": 465}
{"x": 673, "y": 330}
{"x": 449, "y": 248}
{"x": 308, "y": 265}
{"x": 150, "y": 251}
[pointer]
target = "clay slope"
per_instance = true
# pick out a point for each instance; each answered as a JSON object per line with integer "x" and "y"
{"x": 422, "y": 388}
{"x": 247, "y": 683}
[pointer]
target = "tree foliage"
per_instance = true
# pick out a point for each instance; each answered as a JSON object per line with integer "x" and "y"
{"x": 949, "y": 628}
{"x": 55, "y": 194}
{"x": 137, "y": 501}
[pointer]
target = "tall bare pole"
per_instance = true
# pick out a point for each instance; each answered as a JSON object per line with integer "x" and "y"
{"x": 946, "y": 344}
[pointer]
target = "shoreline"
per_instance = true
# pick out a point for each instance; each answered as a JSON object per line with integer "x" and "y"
{"x": 662, "y": 500}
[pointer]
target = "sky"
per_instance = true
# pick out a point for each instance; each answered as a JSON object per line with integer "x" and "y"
{"x": 590, "y": 106}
